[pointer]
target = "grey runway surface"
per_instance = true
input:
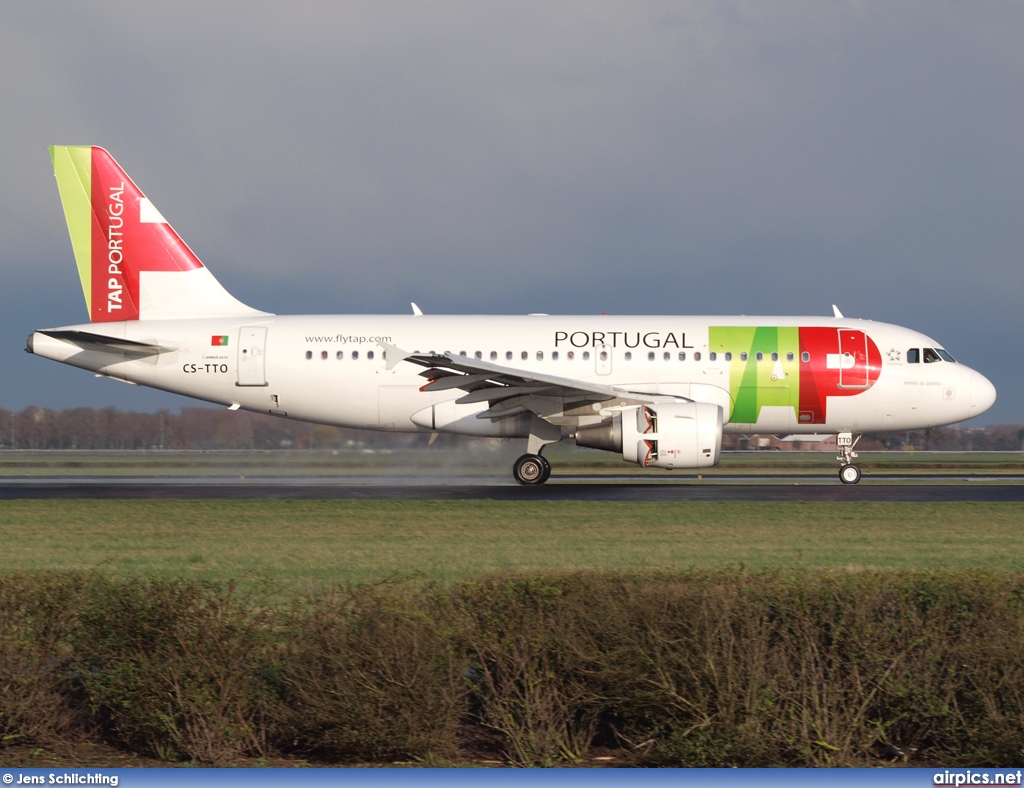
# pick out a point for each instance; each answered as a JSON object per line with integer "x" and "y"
{"x": 572, "y": 488}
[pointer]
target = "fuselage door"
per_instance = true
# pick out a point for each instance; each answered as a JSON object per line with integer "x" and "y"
{"x": 252, "y": 344}
{"x": 853, "y": 353}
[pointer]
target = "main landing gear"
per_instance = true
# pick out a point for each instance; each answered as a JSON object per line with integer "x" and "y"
{"x": 531, "y": 469}
{"x": 848, "y": 472}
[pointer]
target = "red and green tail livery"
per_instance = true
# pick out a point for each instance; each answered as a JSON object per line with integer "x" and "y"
{"x": 132, "y": 263}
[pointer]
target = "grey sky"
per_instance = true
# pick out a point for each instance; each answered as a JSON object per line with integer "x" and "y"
{"x": 670, "y": 158}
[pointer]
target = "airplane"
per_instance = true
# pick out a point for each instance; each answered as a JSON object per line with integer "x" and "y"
{"x": 658, "y": 390}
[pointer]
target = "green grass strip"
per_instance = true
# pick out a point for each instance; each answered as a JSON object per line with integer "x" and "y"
{"x": 362, "y": 541}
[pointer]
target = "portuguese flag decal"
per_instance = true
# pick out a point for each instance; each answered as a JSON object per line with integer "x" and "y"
{"x": 219, "y": 341}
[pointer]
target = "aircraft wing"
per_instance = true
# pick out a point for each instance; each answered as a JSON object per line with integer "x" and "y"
{"x": 508, "y": 390}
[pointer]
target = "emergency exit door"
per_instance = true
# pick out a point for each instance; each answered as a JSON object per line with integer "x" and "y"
{"x": 252, "y": 344}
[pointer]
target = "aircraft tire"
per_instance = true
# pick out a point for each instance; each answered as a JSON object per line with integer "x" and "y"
{"x": 849, "y": 474}
{"x": 547, "y": 470}
{"x": 530, "y": 469}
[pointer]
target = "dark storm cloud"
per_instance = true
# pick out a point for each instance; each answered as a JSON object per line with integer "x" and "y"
{"x": 574, "y": 157}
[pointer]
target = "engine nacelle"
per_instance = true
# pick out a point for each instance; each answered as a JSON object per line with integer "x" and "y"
{"x": 671, "y": 435}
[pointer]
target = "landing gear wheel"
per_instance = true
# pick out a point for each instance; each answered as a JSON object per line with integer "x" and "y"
{"x": 531, "y": 469}
{"x": 547, "y": 469}
{"x": 849, "y": 474}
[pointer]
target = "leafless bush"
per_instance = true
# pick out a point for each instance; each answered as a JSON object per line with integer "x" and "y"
{"x": 370, "y": 674}
{"x": 172, "y": 668}
{"x": 533, "y": 664}
{"x": 37, "y": 702}
{"x": 726, "y": 668}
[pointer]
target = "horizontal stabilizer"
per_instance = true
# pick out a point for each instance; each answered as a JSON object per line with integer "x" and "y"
{"x": 88, "y": 339}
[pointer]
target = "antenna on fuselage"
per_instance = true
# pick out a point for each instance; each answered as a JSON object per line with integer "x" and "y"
{"x": 835, "y": 311}
{"x": 416, "y": 310}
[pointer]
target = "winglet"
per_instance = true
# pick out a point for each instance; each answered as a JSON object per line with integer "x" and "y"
{"x": 835, "y": 311}
{"x": 416, "y": 310}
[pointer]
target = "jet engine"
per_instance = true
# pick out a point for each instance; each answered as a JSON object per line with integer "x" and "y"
{"x": 670, "y": 435}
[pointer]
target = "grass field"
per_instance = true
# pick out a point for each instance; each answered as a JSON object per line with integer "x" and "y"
{"x": 362, "y": 541}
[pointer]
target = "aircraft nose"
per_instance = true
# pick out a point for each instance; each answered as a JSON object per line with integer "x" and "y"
{"x": 983, "y": 394}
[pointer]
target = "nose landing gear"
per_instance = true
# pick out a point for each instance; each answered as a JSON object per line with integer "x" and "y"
{"x": 848, "y": 472}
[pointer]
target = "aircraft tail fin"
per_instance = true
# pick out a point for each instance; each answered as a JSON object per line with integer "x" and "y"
{"x": 132, "y": 263}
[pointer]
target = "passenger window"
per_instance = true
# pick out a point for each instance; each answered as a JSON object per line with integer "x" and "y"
{"x": 478, "y": 355}
{"x": 586, "y": 355}
{"x": 789, "y": 357}
{"x": 355, "y": 355}
{"x": 494, "y": 355}
{"x": 728, "y": 356}
{"x": 508, "y": 355}
{"x": 570, "y": 355}
{"x": 341, "y": 355}
{"x": 650, "y": 356}
{"x": 913, "y": 356}
{"x": 629, "y": 356}
{"x": 524, "y": 355}
{"x": 604, "y": 355}
{"x": 462, "y": 353}
{"x": 540, "y": 355}
{"x": 682, "y": 356}
{"x": 743, "y": 356}
{"x": 930, "y": 356}
{"x": 775, "y": 356}
{"x": 805, "y": 357}
{"x": 554, "y": 355}
{"x": 696, "y": 355}
{"x": 323, "y": 355}
{"x": 369, "y": 354}
{"x": 309, "y": 355}
{"x": 712, "y": 356}
{"x": 667, "y": 356}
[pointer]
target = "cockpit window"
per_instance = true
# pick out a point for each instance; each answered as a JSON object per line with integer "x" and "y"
{"x": 945, "y": 355}
{"x": 930, "y": 356}
{"x": 914, "y": 356}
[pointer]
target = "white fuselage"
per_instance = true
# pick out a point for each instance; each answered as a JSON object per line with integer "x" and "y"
{"x": 332, "y": 369}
